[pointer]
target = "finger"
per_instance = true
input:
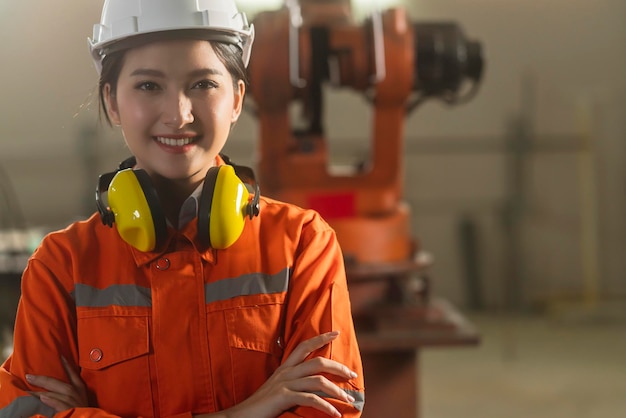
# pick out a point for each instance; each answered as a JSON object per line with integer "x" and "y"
{"x": 56, "y": 389}
{"x": 75, "y": 379}
{"x": 323, "y": 385}
{"x": 314, "y": 401}
{"x": 306, "y": 347}
{"x": 52, "y": 400}
{"x": 56, "y": 404}
{"x": 35, "y": 394}
{"x": 317, "y": 366}
{"x": 50, "y": 384}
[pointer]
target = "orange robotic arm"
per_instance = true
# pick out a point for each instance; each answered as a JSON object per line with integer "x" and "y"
{"x": 307, "y": 44}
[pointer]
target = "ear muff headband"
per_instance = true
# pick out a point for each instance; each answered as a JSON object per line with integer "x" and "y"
{"x": 224, "y": 205}
{"x": 133, "y": 205}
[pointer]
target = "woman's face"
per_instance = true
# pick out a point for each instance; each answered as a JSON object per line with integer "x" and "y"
{"x": 175, "y": 102}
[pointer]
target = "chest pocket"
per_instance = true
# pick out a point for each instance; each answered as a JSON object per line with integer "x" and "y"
{"x": 255, "y": 350}
{"x": 113, "y": 356}
{"x": 256, "y": 328}
{"x": 245, "y": 319}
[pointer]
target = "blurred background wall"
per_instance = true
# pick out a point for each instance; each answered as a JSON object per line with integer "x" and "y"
{"x": 519, "y": 194}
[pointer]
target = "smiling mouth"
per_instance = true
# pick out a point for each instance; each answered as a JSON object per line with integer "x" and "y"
{"x": 174, "y": 142}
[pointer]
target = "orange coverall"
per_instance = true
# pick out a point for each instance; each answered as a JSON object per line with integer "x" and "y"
{"x": 181, "y": 331}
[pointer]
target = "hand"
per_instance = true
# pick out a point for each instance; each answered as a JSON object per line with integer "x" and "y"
{"x": 294, "y": 381}
{"x": 60, "y": 395}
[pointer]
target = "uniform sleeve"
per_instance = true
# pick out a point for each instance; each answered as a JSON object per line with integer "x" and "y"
{"x": 45, "y": 330}
{"x": 319, "y": 302}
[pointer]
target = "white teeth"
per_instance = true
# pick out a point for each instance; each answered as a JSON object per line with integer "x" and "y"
{"x": 174, "y": 142}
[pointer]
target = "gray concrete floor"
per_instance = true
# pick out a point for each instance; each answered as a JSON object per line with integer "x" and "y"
{"x": 553, "y": 366}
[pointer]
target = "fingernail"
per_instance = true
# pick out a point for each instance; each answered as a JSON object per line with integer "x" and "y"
{"x": 333, "y": 333}
{"x": 350, "y": 398}
{"x": 353, "y": 374}
{"x": 337, "y": 413}
{"x": 30, "y": 377}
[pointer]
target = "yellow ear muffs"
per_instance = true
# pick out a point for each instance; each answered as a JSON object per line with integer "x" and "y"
{"x": 127, "y": 199}
{"x": 224, "y": 204}
{"x": 132, "y": 204}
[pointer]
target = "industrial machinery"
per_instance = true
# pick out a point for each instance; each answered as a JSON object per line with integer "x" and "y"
{"x": 306, "y": 47}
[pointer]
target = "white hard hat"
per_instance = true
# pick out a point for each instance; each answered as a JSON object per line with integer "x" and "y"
{"x": 206, "y": 19}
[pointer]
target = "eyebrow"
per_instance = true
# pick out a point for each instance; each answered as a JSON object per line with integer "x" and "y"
{"x": 156, "y": 73}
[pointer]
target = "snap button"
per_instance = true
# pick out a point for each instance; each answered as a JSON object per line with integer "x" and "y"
{"x": 163, "y": 264}
{"x": 95, "y": 355}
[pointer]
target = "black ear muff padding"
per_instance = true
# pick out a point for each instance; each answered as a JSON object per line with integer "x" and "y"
{"x": 204, "y": 207}
{"x": 106, "y": 215}
{"x": 104, "y": 181}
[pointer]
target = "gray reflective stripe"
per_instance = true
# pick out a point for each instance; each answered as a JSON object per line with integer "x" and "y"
{"x": 359, "y": 397}
{"x": 119, "y": 294}
{"x": 248, "y": 284}
{"x": 133, "y": 295}
{"x": 26, "y": 406}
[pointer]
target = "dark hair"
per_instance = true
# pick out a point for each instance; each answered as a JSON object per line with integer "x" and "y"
{"x": 230, "y": 55}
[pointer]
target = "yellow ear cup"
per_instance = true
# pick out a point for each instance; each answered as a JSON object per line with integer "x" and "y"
{"x": 223, "y": 207}
{"x": 130, "y": 204}
{"x": 228, "y": 209}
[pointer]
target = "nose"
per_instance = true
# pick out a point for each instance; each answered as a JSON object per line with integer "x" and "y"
{"x": 178, "y": 111}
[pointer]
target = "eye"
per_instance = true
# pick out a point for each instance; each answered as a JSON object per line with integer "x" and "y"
{"x": 205, "y": 85}
{"x": 147, "y": 86}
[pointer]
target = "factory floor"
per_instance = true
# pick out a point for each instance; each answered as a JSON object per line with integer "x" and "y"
{"x": 570, "y": 365}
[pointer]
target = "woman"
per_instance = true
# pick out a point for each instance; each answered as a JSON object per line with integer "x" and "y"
{"x": 179, "y": 309}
